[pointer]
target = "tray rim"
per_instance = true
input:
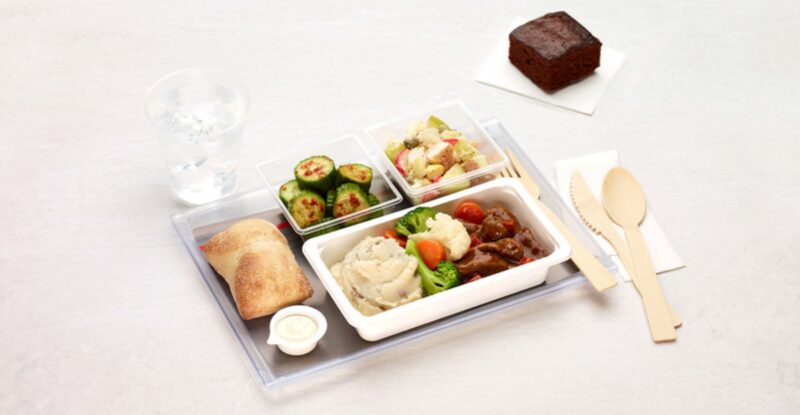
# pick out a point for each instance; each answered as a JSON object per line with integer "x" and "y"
{"x": 259, "y": 368}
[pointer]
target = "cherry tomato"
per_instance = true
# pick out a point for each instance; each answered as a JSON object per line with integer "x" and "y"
{"x": 469, "y": 212}
{"x": 525, "y": 260}
{"x": 392, "y": 234}
{"x": 432, "y": 252}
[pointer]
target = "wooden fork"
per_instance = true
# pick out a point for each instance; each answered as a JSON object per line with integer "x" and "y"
{"x": 592, "y": 269}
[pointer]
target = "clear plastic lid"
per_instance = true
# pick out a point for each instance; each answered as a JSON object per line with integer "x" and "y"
{"x": 458, "y": 118}
{"x": 347, "y": 149}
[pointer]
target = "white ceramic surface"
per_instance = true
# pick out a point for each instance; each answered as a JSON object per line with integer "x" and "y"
{"x": 325, "y": 251}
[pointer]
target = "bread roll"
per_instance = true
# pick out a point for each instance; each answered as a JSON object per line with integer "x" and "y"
{"x": 256, "y": 262}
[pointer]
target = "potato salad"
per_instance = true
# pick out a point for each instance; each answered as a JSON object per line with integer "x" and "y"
{"x": 431, "y": 151}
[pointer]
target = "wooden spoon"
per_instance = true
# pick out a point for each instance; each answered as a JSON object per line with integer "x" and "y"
{"x": 625, "y": 203}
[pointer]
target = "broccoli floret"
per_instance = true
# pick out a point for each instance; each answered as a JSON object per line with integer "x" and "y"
{"x": 414, "y": 221}
{"x": 444, "y": 277}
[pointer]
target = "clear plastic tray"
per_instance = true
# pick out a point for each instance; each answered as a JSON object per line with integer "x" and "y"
{"x": 347, "y": 149}
{"x": 342, "y": 344}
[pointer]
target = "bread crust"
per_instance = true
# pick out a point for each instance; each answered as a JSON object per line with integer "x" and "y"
{"x": 255, "y": 260}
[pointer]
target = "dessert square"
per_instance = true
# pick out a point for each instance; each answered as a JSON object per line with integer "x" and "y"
{"x": 554, "y": 51}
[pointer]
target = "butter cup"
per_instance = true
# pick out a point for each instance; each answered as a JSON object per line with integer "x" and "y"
{"x": 295, "y": 347}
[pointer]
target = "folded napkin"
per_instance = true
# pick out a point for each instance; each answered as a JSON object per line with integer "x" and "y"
{"x": 582, "y": 97}
{"x": 594, "y": 168}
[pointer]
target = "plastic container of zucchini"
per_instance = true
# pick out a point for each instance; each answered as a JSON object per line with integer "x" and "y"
{"x": 417, "y": 176}
{"x": 342, "y": 151}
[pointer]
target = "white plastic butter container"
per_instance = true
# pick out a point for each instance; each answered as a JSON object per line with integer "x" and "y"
{"x": 325, "y": 251}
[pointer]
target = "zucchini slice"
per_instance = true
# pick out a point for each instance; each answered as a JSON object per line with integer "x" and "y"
{"x": 349, "y": 198}
{"x": 373, "y": 201}
{"x": 307, "y": 209}
{"x": 329, "y": 199}
{"x": 289, "y": 191}
{"x": 354, "y": 173}
{"x": 315, "y": 173}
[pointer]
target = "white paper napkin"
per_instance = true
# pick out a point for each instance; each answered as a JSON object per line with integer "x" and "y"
{"x": 594, "y": 168}
{"x": 582, "y": 97}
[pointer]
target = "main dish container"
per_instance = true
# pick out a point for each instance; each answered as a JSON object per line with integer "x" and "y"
{"x": 273, "y": 370}
{"x": 458, "y": 118}
{"x": 323, "y": 252}
{"x": 347, "y": 149}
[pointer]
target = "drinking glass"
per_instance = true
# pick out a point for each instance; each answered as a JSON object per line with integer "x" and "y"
{"x": 199, "y": 114}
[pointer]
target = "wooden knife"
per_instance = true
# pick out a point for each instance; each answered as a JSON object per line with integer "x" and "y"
{"x": 594, "y": 216}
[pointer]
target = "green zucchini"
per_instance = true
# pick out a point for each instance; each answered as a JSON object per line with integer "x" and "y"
{"x": 329, "y": 199}
{"x": 354, "y": 173}
{"x": 289, "y": 191}
{"x": 374, "y": 201}
{"x": 349, "y": 199}
{"x": 316, "y": 173}
{"x": 307, "y": 208}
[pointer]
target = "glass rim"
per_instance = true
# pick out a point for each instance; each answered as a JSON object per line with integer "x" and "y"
{"x": 236, "y": 84}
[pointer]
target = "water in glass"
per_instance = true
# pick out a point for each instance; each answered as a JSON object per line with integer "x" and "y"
{"x": 201, "y": 133}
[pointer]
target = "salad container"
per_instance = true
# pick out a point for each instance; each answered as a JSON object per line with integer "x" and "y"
{"x": 347, "y": 149}
{"x": 456, "y": 115}
{"x": 325, "y": 251}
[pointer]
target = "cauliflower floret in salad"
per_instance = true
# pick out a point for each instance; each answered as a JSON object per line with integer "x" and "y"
{"x": 429, "y": 137}
{"x": 450, "y": 232}
{"x": 414, "y": 129}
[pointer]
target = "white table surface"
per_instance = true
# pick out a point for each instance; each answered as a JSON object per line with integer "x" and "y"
{"x": 101, "y": 310}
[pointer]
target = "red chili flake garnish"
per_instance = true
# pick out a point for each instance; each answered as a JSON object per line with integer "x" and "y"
{"x": 202, "y": 247}
{"x": 525, "y": 260}
{"x": 282, "y": 225}
{"x": 509, "y": 225}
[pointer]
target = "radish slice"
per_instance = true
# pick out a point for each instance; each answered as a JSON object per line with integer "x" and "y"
{"x": 400, "y": 160}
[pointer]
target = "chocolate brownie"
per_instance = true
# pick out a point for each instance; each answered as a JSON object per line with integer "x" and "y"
{"x": 554, "y": 51}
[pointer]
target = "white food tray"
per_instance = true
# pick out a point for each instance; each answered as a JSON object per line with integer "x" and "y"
{"x": 325, "y": 251}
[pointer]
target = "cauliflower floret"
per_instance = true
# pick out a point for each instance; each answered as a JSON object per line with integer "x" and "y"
{"x": 450, "y": 232}
{"x": 417, "y": 162}
{"x": 414, "y": 129}
{"x": 429, "y": 137}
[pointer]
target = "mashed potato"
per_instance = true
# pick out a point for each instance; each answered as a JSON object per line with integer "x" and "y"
{"x": 377, "y": 275}
{"x": 450, "y": 232}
